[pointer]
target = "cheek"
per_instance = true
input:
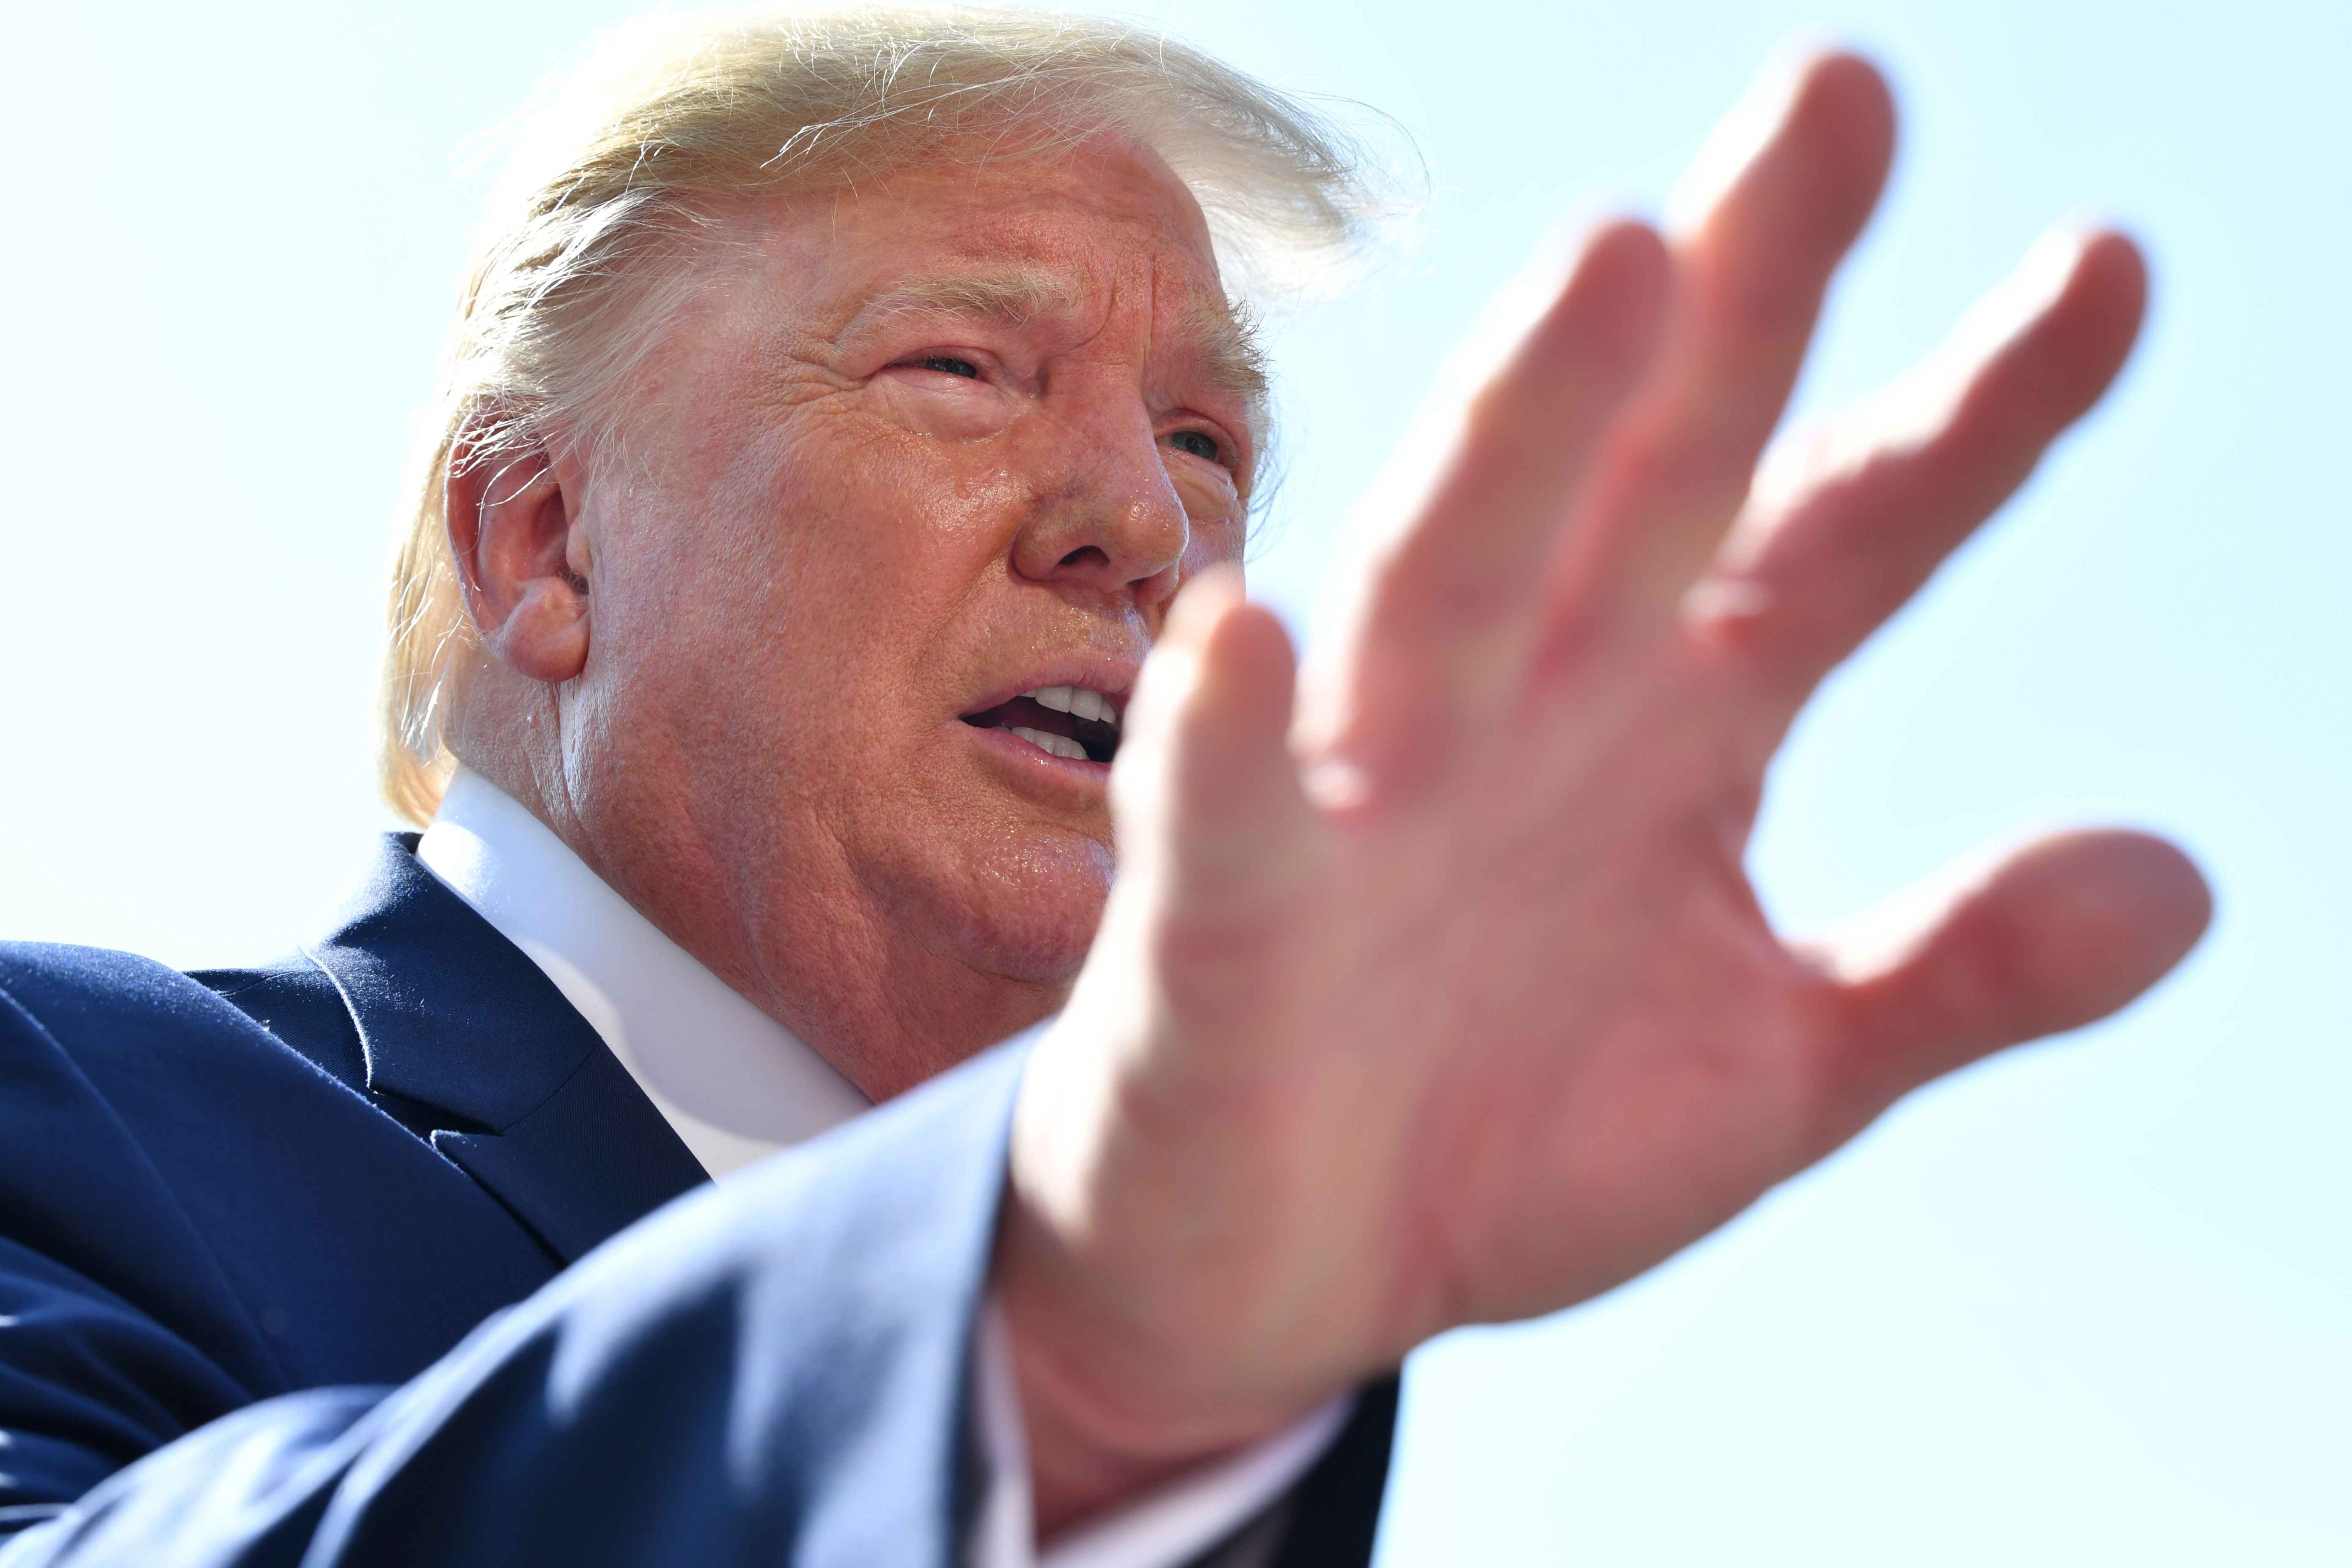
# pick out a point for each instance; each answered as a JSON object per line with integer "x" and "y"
{"x": 710, "y": 599}
{"x": 830, "y": 557}
{"x": 785, "y": 625}
{"x": 877, "y": 513}
{"x": 1220, "y": 520}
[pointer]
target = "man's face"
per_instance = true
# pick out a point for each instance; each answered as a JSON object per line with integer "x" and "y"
{"x": 909, "y": 455}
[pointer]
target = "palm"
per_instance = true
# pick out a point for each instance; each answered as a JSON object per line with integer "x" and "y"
{"x": 1624, "y": 1043}
{"x": 1441, "y": 995}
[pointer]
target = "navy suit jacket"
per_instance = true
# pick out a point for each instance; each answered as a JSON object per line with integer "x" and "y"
{"x": 346, "y": 1260}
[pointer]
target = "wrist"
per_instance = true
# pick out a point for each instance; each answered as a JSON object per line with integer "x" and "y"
{"x": 1102, "y": 1418}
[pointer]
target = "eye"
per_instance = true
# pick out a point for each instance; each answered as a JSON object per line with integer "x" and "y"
{"x": 1200, "y": 443}
{"x": 953, "y": 366}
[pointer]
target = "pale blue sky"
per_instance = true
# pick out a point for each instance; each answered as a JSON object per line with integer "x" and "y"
{"x": 2089, "y": 1304}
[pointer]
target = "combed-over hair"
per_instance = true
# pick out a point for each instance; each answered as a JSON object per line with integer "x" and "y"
{"x": 590, "y": 236}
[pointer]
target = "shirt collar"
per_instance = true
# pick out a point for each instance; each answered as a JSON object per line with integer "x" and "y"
{"x": 732, "y": 1082}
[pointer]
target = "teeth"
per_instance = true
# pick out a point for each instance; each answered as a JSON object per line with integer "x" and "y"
{"x": 1077, "y": 700}
{"x": 1060, "y": 745}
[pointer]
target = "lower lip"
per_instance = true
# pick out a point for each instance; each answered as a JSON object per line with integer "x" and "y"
{"x": 1037, "y": 763}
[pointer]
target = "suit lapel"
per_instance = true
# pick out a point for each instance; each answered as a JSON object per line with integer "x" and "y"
{"x": 515, "y": 1086}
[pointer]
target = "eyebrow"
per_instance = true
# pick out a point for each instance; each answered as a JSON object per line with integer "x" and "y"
{"x": 1233, "y": 357}
{"x": 1223, "y": 337}
{"x": 1010, "y": 297}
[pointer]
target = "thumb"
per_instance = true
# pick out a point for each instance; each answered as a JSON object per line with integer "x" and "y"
{"x": 1205, "y": 795}
{"x": 2046, "y": 938}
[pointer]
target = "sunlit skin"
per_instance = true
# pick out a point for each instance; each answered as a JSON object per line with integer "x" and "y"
{"x": 915, "y": 450}
{"x": 1437, "y": 992}
{"x": 1433, "y": 989}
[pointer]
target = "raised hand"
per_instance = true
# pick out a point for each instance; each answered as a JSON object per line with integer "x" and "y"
{"x": 1434, "y": 990}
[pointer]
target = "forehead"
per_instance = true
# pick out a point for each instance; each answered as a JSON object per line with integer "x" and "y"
{"x": 975, "y": 228}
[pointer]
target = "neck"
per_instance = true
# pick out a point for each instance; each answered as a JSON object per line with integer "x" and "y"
{"x": 818, "y": 951}
{"x": 733, "y": 1082}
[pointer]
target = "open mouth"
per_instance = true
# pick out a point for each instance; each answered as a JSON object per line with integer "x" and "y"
{"x": 1073, "y": 721}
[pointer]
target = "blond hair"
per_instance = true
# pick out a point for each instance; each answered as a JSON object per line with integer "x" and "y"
{"x": 591, "y": 233}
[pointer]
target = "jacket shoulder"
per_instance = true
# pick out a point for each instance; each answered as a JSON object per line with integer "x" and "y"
{"x": 157, "y": 1142}
{"x": 89, "y": 1212}
{"x": 296, "y": 1001}
{"x": 124, "y": 1020}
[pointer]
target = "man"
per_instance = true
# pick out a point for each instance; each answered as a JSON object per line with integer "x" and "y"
{"x": 841, "y": 409}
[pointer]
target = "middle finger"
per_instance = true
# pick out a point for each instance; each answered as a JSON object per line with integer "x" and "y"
{"x": 1806, "y": 159}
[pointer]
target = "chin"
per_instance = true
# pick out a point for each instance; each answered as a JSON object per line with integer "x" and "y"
{"x": 1025, "y": 913}
{"x": 1039, "y": 940}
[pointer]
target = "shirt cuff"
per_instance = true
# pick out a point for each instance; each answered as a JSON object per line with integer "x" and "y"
{"x": 1166, "y": 1527}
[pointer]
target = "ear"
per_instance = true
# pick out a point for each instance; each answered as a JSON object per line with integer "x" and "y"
{"x": 523, "y": 560}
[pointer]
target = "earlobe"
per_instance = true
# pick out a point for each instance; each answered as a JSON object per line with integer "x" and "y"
{"x": 523, "y": 562}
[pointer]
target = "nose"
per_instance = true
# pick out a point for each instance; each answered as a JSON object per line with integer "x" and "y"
{"x": 1114, "y": 529}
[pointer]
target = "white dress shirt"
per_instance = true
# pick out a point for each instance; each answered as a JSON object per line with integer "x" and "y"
{"x": 736, "y": 1085}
